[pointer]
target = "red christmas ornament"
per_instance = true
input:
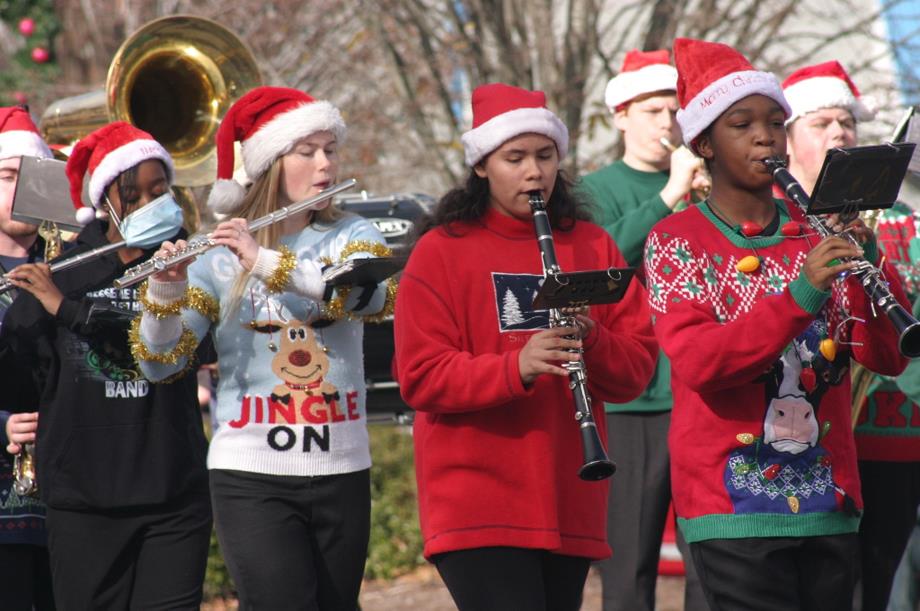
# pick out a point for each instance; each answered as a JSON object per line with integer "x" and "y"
{"x": 771, "y": 472}
{"x": 750, "y": 229}
{"x": 40, "y": 55}
{"x": 20, "y": 97}
{"x": 791, "y": 229}
{"x": 26, "y": 26}
{"x": 824, "y": 460}
{"x": 809, "y": 379}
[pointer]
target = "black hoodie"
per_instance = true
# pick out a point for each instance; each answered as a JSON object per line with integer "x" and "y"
{"x": 107, "y": 437}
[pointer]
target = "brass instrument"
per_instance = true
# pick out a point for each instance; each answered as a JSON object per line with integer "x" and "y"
{"x": 202, "y": 243}
{"x": 175, "y": 78}
{"x": 24, "y": 479}
{"x": 697, "y": 194}
{"x": 596, "y": 464}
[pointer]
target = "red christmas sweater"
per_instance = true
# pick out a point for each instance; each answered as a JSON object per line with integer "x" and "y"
{"x": 760, "y": 440}
{"x": 497, "y": 462}
{"x": 888, "y": 428}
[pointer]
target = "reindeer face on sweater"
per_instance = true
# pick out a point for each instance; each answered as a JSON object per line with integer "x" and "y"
{"x": 299, "y": 360}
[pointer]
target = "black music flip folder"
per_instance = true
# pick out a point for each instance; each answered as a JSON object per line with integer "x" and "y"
{"x": 43, "y": 194}
{"x": 861, "y": 178}
{"x": 371, "y": 270}
{"x": 576, "y": 289}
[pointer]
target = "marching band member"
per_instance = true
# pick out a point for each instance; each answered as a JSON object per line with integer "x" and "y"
{"x": 505, "y": 518}
{"x": 25, "y": 580}
{"x": 630, "y": 196}
{"x": 826, "y": 111}
{"x": 289, "y": 460}
{"x": 120, "y": 463}
{"x": 747, "y": 307}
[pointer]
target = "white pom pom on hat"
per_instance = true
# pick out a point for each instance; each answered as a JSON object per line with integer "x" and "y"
{"x": 268, "y": 122}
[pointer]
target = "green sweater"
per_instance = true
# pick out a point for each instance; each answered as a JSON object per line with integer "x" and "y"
{"x": 626, "y": 202}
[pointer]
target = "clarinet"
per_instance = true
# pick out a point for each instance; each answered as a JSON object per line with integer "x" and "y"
{"x": 597, "y": 465}
{"x": 869, "y": 276}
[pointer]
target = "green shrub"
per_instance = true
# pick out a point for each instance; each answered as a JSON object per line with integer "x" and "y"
{"x": 395, "y": 543}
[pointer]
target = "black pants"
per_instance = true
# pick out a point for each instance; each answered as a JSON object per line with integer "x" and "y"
{"x": 637, "y": 507}
{"x": 513, "y": 579}
{"x": 151, "y": 557}
{"x": 778, "y": 573}
{"x": 891, "y": 493}
{"x": 293, "y": 542}
{"x": 25, "y": 578}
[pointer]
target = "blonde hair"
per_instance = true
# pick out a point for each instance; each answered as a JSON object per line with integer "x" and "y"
{"x": 261, "y": 199}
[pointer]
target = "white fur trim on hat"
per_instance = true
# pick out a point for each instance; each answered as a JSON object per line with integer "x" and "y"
{"x": 125, "y": 157}
{"x": 715, "y": 99}
{"x": 484, "y": 139}
{"x": 278, "y": 136}
{"x": 225, "y": 196}
{"x": 19, "y": 142}
{"x": 628, "y": 85}
{"x": 820, "y": 92}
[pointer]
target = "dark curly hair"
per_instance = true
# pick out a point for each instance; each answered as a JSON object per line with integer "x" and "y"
{"x": 470, "y": 202}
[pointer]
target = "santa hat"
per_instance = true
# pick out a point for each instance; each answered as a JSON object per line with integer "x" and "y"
{"x": 19, "y": 136}
{"x": 501, "y": 112}
{"x": 825, "y": 85}
{"x": 106, "y": 153}
{"x": 710, "y": 78}
{"x": 268, "y": 122}
{"x": 642, "y": 72}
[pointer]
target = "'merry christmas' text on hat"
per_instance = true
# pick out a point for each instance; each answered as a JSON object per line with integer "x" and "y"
{"x": 825, "y": 85}
{"x": 19, "y": 136}
{"x": 710, "y": 78}
{"x": 106, "y": 153}
{"x": 642, "y": 72}
{"x": 268, "y": 122}
{"x": 501, "y": 112}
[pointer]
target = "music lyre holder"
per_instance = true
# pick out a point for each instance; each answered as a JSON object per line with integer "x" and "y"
{"x": 860, "y": 178}
{"x": 576, "y": 289}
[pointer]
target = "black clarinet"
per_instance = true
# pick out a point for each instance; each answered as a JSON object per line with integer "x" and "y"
{"x": 597, "y": 465}
{"x": 870, "y": 278}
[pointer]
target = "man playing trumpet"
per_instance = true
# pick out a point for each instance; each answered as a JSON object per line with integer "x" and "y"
{"x": 653, "y": 179}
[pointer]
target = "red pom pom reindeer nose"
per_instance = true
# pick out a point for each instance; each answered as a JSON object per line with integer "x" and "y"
{"x": 300, "y": 358}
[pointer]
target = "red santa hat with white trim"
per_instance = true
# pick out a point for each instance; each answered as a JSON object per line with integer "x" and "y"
{"x": 19, "y": 136}
{"x": 642, "y": 72}
{"x": 501, "y": 112}
{"x": 825, "y": 85}
{"x": 268, "y": 122}
{"x": 106, "y": 153}
{"x": 710, "y": 78}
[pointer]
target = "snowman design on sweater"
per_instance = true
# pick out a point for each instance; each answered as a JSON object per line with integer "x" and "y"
{"x": 785, "y": 469}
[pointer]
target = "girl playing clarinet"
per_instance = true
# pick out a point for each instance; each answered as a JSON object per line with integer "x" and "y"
{"x": 505, "y": 518}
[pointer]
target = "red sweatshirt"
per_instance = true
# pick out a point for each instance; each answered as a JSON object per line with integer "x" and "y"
{"x": 761, "y": 442}
{"x": 497, "y": 462}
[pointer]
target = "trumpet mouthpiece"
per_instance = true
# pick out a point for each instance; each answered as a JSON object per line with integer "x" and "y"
{"x": 667, "y": 144}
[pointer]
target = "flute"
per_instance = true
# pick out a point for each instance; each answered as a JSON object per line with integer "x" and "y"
{"x": 200, "y": 244}
{"x": 86, "y": 257}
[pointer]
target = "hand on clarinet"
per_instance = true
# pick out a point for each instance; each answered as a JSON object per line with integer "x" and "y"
{"x": 20, "y": 430}
{"x": 174, "y": 273}
{"x": 36, "y": 279}
{"x": 856, "y": 227}
{"x": 544, "y": 350}
{"x": 234, "y": 234}
{"x": 826, "y": 261}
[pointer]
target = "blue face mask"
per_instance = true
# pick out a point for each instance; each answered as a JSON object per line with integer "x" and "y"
{"x": 154, "y": 223}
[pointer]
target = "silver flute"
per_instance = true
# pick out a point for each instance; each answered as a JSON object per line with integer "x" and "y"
{"x": 869, "y": 276}
{"x": 200, "y": 244}
{"x": 86, "y": 257}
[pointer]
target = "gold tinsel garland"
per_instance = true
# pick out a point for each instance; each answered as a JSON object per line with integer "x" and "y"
{"x": 194, "y": 298}
{"x": 335, "y": 307}
{"x": 186, "y": 346}
{"x": 282, "y": 274}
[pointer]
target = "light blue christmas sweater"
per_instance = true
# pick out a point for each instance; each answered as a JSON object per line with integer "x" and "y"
{"x": 291, "y": 391}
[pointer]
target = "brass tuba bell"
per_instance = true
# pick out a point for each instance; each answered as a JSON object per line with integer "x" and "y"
{"x": 175, "y": 78}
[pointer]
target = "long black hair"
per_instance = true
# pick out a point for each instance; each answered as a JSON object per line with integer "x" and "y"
{"x": 471, "y": 201}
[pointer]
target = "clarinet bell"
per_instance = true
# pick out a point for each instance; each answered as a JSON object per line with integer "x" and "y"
{"x": 597, "y": 465}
